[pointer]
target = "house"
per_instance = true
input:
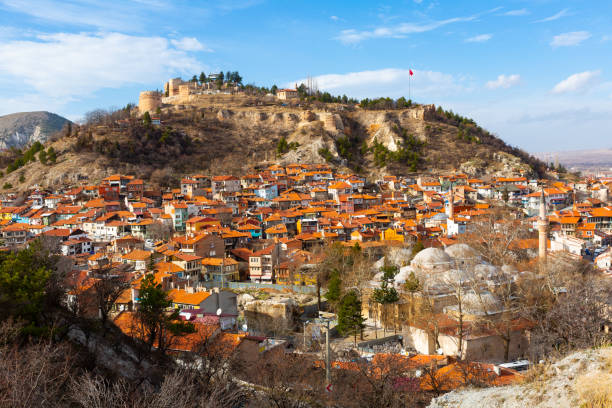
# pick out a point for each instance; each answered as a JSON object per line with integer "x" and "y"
{"x": 191, "y": 264}
{"x": 604, "y": 260}
{"x": 285, "y": 94}
{"x": 76, "y": 246}
{"x": 138, "y": 258}
{"x": 262, "y": 263}
{"x": 179, "y": 214}
{"x": 202, "y": 245}
{"x": 15, "y": 234}
{"x": 220, "y": 270}
{"x": 227, "y": 184}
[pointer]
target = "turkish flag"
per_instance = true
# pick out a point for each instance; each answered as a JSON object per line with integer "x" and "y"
{"x": 411, "y": 73}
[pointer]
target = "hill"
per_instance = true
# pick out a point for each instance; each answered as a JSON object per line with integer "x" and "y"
{"x": 24, "y": 128}
{"x": 236, "y": 134}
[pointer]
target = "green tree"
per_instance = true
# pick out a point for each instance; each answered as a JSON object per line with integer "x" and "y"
{"x": 151, "y": 264}
{"x": 350, "y": 320}
{"x": 505, "y": 195}
{"x": 202, "y": 77}
{"x": 146, "y": 118}
{"x": 220, "y": 80}
{"x": 24, "y": 279}
{"x": 386, "y": 294}
{"x": 274, "y": 89}
{"x": 21, "y": 177}
{"x": 7, "y": 185}
{"x": 51, "y": 155}
{"x": 412, "y": 284}
{"x": 417, "y": 247}
{"x": 159, "y": 325}
{"x": 194, "y": 79}
{"x": 334, "y": 287}
{"x": 282, "y": 146}
{"x": 42, "y": 156}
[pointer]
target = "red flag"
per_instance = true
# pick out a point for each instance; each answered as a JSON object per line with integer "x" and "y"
{"x": 411, "y": 73}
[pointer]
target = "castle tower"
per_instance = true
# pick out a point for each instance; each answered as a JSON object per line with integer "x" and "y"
{"x": 149, "y": 101}
{"x": 542, "y": 228}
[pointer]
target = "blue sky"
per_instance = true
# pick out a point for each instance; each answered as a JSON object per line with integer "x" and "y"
{"x": 534, "y": 72}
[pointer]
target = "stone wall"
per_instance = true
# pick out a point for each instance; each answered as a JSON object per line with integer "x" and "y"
{"x": 149, "y": 101}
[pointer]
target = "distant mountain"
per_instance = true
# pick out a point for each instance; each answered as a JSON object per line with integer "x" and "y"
{"x": 580, "y": 159}
{"x": 21, "y": 129}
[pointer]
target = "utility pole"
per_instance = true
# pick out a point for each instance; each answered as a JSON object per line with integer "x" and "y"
{"x": 327, "y": 356}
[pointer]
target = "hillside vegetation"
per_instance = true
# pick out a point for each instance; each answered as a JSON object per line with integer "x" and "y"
{"x": 235, "y": 134}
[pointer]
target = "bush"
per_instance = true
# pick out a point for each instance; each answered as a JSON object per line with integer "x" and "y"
{"x": 7, "y": 185}
{"x": 326, "y": 154}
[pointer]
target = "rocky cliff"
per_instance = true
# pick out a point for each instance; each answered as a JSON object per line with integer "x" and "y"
{"x": 220, "y": 134}
{"x": 24, "y": 128}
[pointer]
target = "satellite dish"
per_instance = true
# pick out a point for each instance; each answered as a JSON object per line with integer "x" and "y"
{"x": 219, "y": 311}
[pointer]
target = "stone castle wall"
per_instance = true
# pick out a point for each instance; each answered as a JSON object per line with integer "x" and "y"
{"x": 149, "y": 101}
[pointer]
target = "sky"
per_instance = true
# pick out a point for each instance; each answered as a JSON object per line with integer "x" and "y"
{"x": 536, "y": 73}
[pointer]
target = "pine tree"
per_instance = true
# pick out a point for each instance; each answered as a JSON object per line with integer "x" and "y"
{"x": 146, "y": 118}
{"x": 417, "y": 247}
{"x": 350, "y": 320}
{"x": 386, "y": 294}
{"x": 202, "y": 77}
{"x": 334, "y": 287}
{"x": 42, "y": 156}
{"x": 51, "y": 155}
{"x": 151, "y": 265}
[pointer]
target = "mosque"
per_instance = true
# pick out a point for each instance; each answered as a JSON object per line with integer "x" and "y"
{"x": 459, "y": 286}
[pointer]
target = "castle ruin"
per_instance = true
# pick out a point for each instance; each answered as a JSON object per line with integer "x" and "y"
{"x": 149, "y": 101}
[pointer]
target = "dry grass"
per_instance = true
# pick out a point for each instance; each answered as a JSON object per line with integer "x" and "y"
{"x": 595, "y": 389}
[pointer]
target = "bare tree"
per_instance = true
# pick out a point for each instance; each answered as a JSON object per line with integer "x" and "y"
{"x": 495, "y": 236}
{"x": 569, "y": 306}
{"x": 107, "y": 288}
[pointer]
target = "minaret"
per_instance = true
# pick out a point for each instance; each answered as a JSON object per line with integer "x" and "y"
{"x": 450, "y": 210}
{"x": 542, "y": 228}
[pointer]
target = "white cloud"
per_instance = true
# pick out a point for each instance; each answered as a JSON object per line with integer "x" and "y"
{"x": 480, "y": 38}
{"x": 504, "y": 81}
{"x": 580, "y": 82}
{"x": 334, "y": 18}
{"x": 519, "y": 12}
{"x": 554, "y": 17}
{"x": 392, "y": 82}
{"x": 400, "y": 31}
{"x": 189, "y": 44}
{"x": 91, "y": 13}
{"x": 570, "y": 39}
{"x": 66, "y": 67}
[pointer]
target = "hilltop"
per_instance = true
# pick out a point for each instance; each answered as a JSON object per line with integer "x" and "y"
{"x": 24, "y": 128}
{"x": 226, "y": 133}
